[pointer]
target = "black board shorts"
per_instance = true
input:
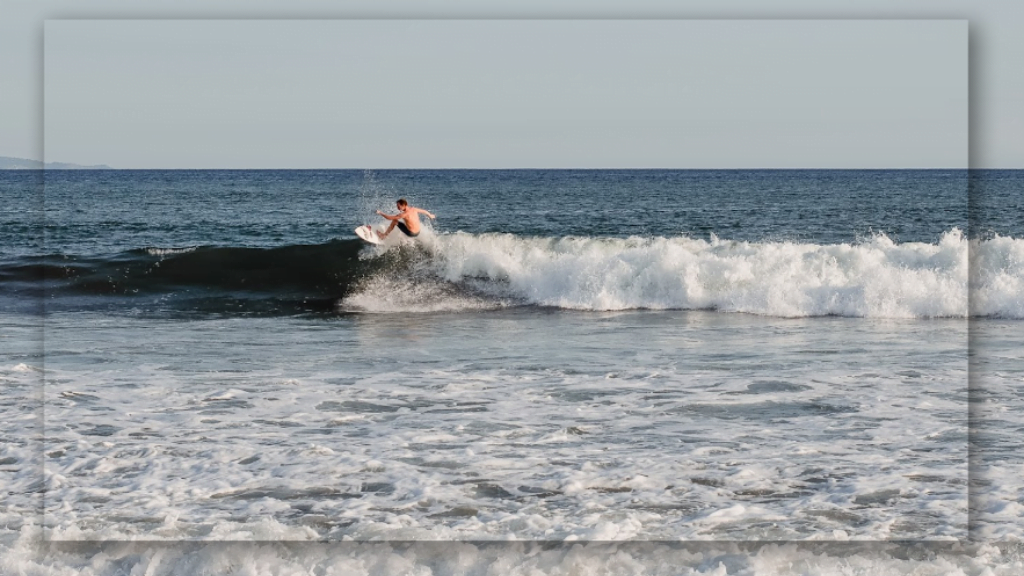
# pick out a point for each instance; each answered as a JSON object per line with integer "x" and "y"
{"x": 402, "y": 227}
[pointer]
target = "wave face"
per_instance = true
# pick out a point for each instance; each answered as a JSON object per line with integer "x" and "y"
{"x": 286, "y": 279}
{"x": 874, "y": 278}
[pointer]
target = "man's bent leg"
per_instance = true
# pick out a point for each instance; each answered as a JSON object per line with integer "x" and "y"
{"x": 405, "y": 230}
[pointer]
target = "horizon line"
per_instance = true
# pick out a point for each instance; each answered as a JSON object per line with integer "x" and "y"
{"x": 90, "y": 168}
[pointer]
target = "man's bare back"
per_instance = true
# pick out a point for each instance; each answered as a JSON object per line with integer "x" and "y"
{"x": 407, "y": 219}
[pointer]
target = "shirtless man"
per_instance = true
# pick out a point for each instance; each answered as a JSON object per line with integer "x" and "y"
{"x": 411, "y": 226}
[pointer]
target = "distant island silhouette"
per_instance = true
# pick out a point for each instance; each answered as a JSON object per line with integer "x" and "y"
{"x": 8, "y": 163}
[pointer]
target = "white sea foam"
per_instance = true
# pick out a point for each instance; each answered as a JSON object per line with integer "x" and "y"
{"x": 393, "y": 293}
{"x": 706, "y": 427}
{"x": 225, "y": 466}
{"x": 875, "y": 278}
{"x": 25, "y": 554}
{"x": 169, "y": 251}
{"x": 997, "y": 277}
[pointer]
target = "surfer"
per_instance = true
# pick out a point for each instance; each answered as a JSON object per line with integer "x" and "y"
{"x": 410, "y": 215}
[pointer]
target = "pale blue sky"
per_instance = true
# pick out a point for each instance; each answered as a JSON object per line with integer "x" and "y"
{"x": 507, "y": 93}
{"x": 996, "y": 91}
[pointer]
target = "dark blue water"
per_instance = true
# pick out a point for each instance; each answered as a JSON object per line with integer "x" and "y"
{"x": 105, "y": 212}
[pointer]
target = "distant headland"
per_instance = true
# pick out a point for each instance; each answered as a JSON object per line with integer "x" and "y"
{"x": 8, "y": 163}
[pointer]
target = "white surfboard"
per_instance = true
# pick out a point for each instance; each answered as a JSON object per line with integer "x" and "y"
{"x": 370, "y": 234}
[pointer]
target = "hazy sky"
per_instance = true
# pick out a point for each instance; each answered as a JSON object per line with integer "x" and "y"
{"x": 996, "y": 84}
{"x": 506, "y": 93}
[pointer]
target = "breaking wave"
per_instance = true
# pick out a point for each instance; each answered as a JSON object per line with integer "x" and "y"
{"x": 874, "y": 278}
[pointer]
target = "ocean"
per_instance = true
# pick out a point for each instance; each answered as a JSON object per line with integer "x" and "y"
{"x": 569, "y": 371}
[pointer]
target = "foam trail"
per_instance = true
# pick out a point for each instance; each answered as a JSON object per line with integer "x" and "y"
{"x": 154, "y": 251}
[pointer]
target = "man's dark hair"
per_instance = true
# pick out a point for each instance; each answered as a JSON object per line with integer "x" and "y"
{"x": 402, "y": 202}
